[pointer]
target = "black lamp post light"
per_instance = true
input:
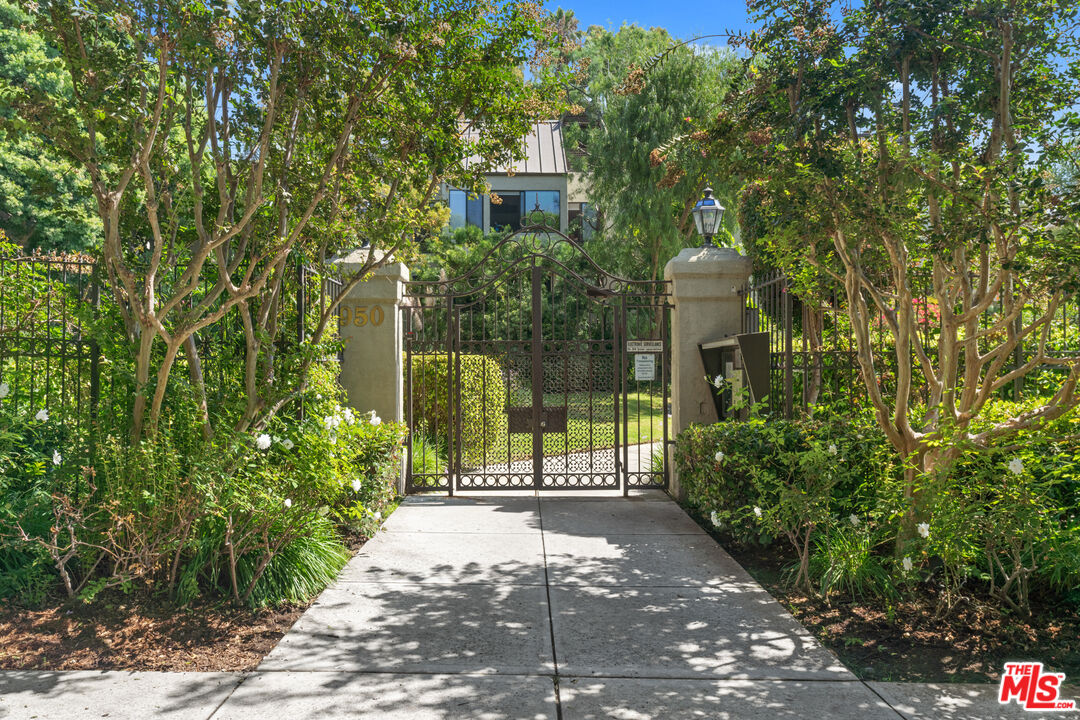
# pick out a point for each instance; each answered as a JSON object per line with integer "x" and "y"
{"x": 707, "y": 216}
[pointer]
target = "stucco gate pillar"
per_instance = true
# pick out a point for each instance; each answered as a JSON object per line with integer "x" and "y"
{"x": 372, "y": 331}
{"x": 706, "y": 284}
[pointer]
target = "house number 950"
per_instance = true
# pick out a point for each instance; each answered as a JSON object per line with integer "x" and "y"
{"x": 361, "y": 315}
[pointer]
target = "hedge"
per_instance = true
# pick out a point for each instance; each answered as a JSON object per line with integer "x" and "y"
{"x": 483, "y": 394}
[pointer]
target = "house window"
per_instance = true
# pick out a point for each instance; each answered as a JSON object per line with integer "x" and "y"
{"x": 582, "y": 220}
{"x": 517, "y": 207}
{"x": 466, "y": 209}
{"x": 506, "y": 214}
{"x": 546, "y": 200}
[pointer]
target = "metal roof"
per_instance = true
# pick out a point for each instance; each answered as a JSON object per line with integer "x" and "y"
{"x": 544, "y": 153}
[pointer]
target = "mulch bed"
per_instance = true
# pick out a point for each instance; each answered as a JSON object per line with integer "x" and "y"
{"x": 142, "y": 632}
{"x": 915, "y": 641}
{"x": 121, "y": 632}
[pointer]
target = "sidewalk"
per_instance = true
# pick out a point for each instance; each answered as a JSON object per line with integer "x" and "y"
{"x": 524, "y": 608}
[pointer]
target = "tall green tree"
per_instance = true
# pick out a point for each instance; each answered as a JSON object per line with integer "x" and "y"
{"x": 45, "y": 198}
{"x": 906, "y": 151}
{"x": 225, "y": 141}
{"x": 631, "y": 119}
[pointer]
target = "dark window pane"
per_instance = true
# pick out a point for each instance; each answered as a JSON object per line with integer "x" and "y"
{"x": 507, "y": 213}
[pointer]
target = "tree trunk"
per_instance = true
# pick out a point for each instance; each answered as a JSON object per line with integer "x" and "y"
{"x": 195, "y": 373}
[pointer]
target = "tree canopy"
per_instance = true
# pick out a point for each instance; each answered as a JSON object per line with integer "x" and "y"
{"x": 225, "y": 142}
{"x": 45, "y": 199}
{"x": 904, "y": 152}
{"x": 630, "y": 117}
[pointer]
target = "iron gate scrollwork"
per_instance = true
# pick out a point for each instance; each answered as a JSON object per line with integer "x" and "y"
{"x": 522, "y": 373}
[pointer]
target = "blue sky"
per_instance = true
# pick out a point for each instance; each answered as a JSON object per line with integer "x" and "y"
{"x": 682, "y": 18}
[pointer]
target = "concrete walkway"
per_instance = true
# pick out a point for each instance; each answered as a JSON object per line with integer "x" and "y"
{"x": 524, "y": 608}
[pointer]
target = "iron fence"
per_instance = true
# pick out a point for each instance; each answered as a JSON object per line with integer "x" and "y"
{"x": 50, "y": 358}
{"x": 813, "y": 351}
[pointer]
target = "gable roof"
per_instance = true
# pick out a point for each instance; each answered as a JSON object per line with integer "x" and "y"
{"x": 544, "y": 152}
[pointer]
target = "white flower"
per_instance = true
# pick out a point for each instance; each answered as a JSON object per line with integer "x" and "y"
{"x": 42, "y": 415}
{"x": 719, "y": 456}
{"x": 378, "y": 516}
{"x": 56, "y": 457}
{"x": 832, "y": 448}
{"x": 757, "y": 511}
{"x": 907, "y": 564}
{"x": 924, "y": 529}
{"x": 1016, "y": 466}
{"x": 262, "y": 442}
{"x": 349, "y": 417}
{"x": 5, "y": 390}
{"x": 331, "y": 421}
{"x": 854, "y": 519}
{"x": 356, "y": 485}
{"x": 718, "y": 381}
{"x": 714, "y": 519}
{"x": 287, "y": 444}
{"x": 375, "y": 419}
{"x": 288, "y": 503}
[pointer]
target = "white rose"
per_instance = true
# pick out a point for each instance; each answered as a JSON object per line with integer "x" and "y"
{"x": 924, "y": 529}
{"x": 287, "y": 444}
{"x": 288, "y": 503}
{"x": 356, "y": 485}
{"x": 42, "y": 415}
{"x": 719, "y": 456}
{"x": 262, "y": 442}
{"x": 757, "y": 511}
{"x": 1016, "y": 466}
{"x": 56, "y": 457}
{"x": 908, "y": 564}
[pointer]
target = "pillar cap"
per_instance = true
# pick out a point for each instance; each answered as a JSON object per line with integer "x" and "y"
{"x": 708, "y": 262}
{"x": 353, "y": 260}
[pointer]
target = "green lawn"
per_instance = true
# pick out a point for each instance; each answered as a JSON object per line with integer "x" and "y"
{"x": 646, "y": 425}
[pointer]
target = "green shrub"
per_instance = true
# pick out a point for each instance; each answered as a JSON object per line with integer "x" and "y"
{"x": 35, "y": 462}
{"x": 998, "y": 520}
{"x": 249, "y": 516}
{"x": 483, "y": 401}
{"x": 300, "y": 569}
{"x": 724, "y": 488}
{"x": 844, "y": 560}
{"x": 1007, "y": 516}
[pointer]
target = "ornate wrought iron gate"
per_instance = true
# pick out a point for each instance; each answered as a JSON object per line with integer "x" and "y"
{"x": 536, "y": 369}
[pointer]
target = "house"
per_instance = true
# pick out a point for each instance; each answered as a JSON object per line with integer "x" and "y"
{"x": 540, "y": 179}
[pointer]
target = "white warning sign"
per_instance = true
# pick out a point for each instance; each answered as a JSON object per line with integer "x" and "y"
{"x": 645, "y": 367}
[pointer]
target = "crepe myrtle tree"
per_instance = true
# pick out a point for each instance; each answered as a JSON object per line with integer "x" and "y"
{"x": 225, "y": 139}
{"x": 905, "y": 151}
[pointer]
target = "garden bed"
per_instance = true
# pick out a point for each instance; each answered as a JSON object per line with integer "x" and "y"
{"x": 908, "y": 641}
{"x": 142, "y": 632}
{"x": 128, "y": 632}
